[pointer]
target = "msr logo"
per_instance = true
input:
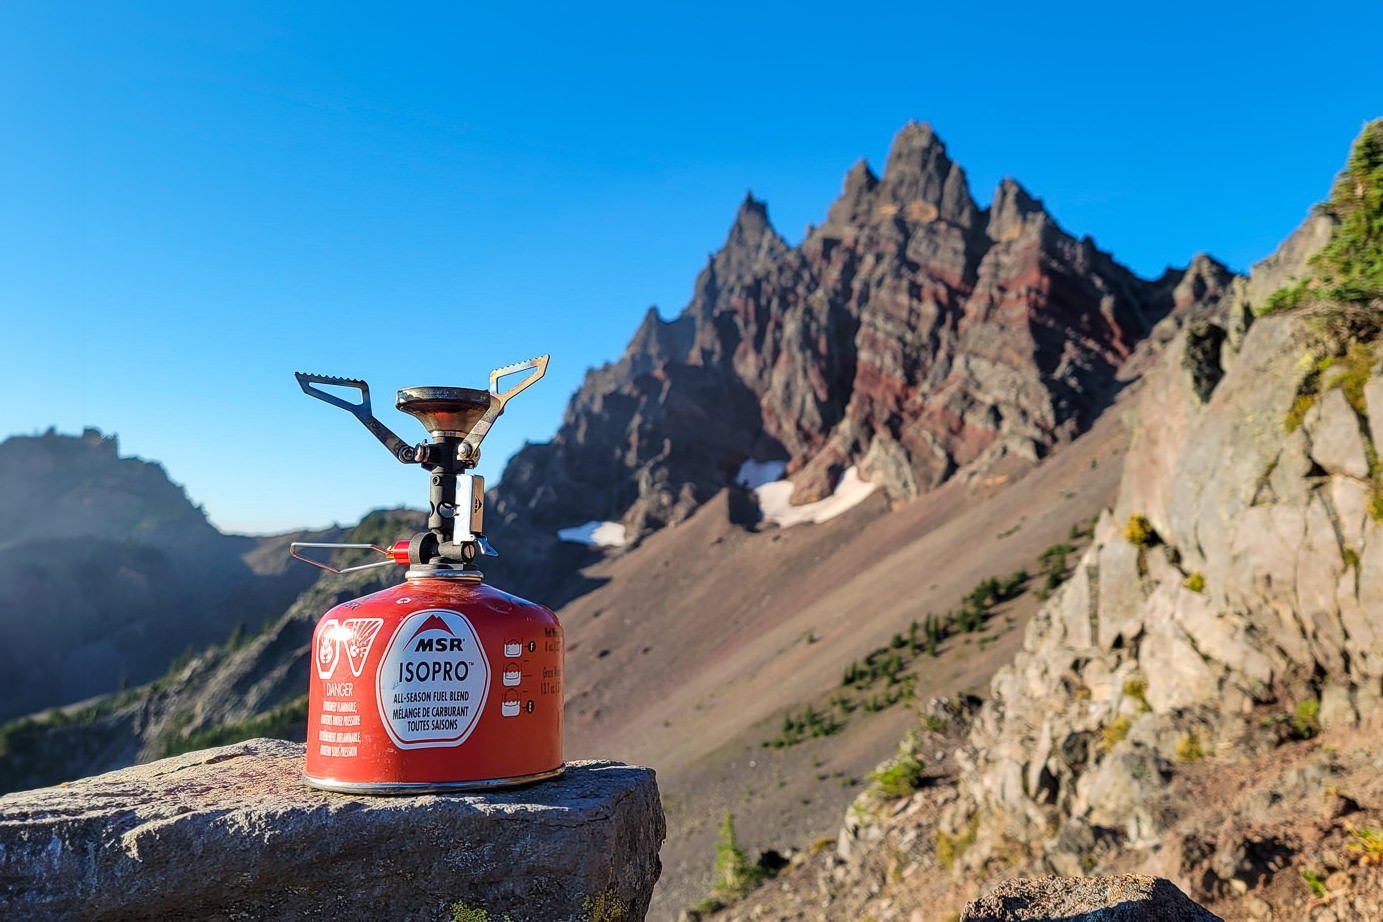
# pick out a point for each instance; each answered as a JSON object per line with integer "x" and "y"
{"x": 439, "y": 644}
{"x": 357, "y": 635}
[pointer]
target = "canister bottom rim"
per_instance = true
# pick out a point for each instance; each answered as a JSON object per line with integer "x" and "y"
{"x": 404, "y": 788}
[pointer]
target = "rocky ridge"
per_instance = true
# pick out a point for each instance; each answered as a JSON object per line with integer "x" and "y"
{"x": 913, "y": 334}
{"x": 108, "y": 571}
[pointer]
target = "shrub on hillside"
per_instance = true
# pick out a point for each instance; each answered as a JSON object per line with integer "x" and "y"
{"x": 1343, "y": 295}
{"x": 735, "y": 874}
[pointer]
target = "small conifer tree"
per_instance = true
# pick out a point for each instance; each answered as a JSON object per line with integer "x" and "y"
{"x": 735, "y": 875}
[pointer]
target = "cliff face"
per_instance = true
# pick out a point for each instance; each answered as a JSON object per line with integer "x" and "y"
{"x": 913, "y": 334}
{"x": 1240, "y": 570}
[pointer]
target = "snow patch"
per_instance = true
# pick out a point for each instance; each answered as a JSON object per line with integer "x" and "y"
{"x": 754, "y": 474}
{"x": 595, "y": 534}
{"x": 775, "y": 500}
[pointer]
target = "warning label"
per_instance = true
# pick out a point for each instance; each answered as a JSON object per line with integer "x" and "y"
{"x": 433, "y": 680}
{"x": 340, "y": 713}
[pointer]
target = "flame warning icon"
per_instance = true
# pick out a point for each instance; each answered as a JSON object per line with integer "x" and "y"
{"x": 357, "y": 635}
{"x": 328, "y": 650}
{"x": 361, "y": 638}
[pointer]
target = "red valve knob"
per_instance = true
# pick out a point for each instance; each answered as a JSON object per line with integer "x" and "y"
{"x": 400, "y": 553}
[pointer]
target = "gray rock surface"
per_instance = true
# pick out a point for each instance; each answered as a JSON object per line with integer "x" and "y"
{"x": 1128, "y": 898}
{"x": 233, "y": 833}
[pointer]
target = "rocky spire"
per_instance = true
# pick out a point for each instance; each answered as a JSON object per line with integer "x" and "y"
{"x": 922, "y": 183}
{"x": 751, "y": 243}
{"x": 856, "y": 203}
{"x": 1203, "y": 280}
{"x": 1014, "y": 213}
{"x": 657, "y": 343}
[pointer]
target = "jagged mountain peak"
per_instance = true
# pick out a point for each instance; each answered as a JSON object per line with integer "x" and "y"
{"x": 861, "y": 176}
{"x": 657, "y": 341}
{"x": 856, "y": 203}
{"x": 1014, "y": 213}
{"x": 901, "y": 338}
{"x": 920, "y": 183}
{"x": 915, "y": 144}
{"x": 751, "y": 242}
{"x": 753, "y": 215}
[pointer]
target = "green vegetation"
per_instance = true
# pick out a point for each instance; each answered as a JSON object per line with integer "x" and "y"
{"x": 1367, "y": 842}
{"x": 904, "y": 690}
{"x": 975, "y": 607}
{"x": 1343, "y": 295}
{"x": 11, "y": 733}
{"x": 811, "y": 724}
{"x": 1301, "y": 724}
{"x": 1137, "y": 689}
{"x": 707, "y": 905}
{"x": 175, "y": 670}
{"x": 735, "y": 875}
{"x": 903, "y": 775}
{"x": 949, "y": 849}
{"x": 1188, "y": 748}
{"x": 891, "y": 664}
{"x": 236, "y": 640}
{"x": 1304, "y": 718}
{"x": 1114, "y": 731}
{"x": 1195, "y": 581}
{"x": 1313, "y": 880}
{"x": 1308, "y": 392}
{"x": 605, "y": 907}
{"x": 462, "y": 913}
{"x": 1353, "y": 367}
{"x": 1139, "y": 532}
{"x": 936, "y": 633}
{"x": 1053, "y": 567}
{"x": 882, "y": 663}
{"x": 283, "y": 721}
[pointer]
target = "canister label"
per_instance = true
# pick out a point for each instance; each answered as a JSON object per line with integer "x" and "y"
{"x": 433, "y": 680}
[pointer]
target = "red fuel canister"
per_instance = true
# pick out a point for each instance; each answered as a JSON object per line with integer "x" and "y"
{"x": 442, "y": 683}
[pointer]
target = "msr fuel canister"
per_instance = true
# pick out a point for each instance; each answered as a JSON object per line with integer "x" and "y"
{"x": 442, "y": 683}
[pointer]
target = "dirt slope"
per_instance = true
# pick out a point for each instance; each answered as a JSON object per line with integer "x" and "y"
{"x": 750, "y": 625}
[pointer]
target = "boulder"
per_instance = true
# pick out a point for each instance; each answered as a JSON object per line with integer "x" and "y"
{"x": 234, "y": 833}
{"x": 1128, "y": 898}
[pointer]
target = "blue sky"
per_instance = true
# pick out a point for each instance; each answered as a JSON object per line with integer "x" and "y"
{"x": 199, "y": 199}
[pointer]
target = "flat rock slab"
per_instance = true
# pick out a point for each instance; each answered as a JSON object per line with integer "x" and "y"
{"x": 1128, "y": 898}
{"x": 232, "y": 833}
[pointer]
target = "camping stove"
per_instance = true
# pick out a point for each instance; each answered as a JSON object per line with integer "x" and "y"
{"x": 442, "y": 683}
